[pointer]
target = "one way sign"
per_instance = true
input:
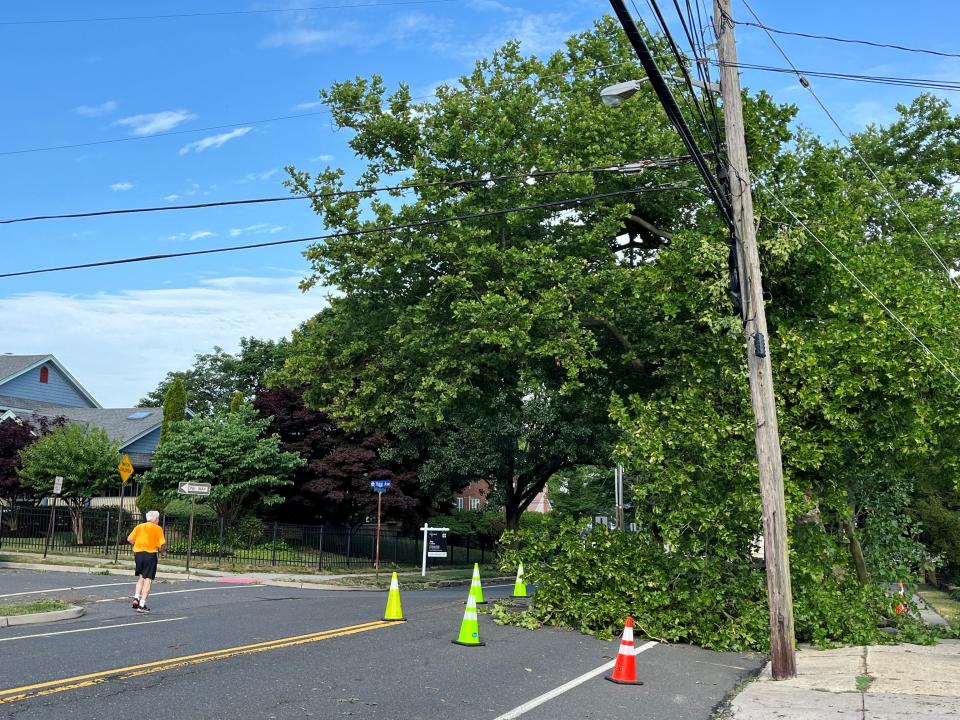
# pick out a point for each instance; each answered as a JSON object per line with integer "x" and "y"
{"x": 192, "y": 488}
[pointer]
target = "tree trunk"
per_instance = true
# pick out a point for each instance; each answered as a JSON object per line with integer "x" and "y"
{"x": 76, "y": 518}
{"x": 856, "y": 551}
{"x": 513, "y": 514}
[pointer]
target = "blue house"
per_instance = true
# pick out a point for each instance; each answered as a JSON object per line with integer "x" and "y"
{"x": 39, "y": 386}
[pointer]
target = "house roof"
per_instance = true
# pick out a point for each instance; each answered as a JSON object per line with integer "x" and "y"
{"x": 117, "y": 422}
{"x": 13, "y": 365}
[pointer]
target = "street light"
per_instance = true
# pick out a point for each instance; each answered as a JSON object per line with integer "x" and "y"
{"x": 614, "y": 95}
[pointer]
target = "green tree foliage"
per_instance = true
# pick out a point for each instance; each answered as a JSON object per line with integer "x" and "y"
{"x": 583, "y": 492}
{"x": 231, "y": 452}
{"x": 494, "y": 343}
{"x": 85, "y": 457}
{"x": 174, "y": 407}
{"x": 237, "y": 402}
{"x": 504, "y": 345}
{"x": 150, "y": 499}
{"x": 216, "y": 376}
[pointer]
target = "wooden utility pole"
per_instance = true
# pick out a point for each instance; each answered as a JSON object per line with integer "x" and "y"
{"x": 779, "y": 593}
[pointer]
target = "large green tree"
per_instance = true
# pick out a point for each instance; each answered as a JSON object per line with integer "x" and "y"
{"x": 85, "y": 457}
{"x": 493, "y": 344}
{"x": 174, "y": 406}
{"x": 232, "y": 452}
{"x": 217, "y": 376}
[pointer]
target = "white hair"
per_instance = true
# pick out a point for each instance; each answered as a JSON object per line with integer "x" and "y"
{"x": 152, "y": 515}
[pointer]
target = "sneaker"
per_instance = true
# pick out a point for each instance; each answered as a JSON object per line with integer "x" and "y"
{"x": 135, "y": 604}
{"x": 143, "y": 609}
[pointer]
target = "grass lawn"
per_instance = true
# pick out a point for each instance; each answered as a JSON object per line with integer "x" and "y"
{"x": 36, "y": 606}
{"x": 942, "y": 603}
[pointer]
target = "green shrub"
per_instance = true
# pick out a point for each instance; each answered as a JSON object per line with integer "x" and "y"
{"x": 181, "y": 509}
{"x": 150, "y": 499}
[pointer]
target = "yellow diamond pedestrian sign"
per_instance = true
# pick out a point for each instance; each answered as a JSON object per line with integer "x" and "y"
{"x": 126, "y": 468}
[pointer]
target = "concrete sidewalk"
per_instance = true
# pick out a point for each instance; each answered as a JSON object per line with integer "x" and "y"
{"x": 883, "y": 682}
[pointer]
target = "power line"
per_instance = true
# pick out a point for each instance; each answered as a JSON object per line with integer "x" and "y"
{"x": 355, "y": 233}
{"x": 851, "y": 41}
{"x": 631, "y": 167}
{"x": 857, "y": 152}
{"x": 222, "y": 13}
{"x": 863, "y": 285}
{"x": 854, "y": 77}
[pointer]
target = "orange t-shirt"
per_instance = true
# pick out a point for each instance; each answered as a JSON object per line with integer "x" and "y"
{"x": 147, "y": 537}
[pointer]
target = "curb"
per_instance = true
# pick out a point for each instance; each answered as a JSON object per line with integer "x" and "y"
{"x": 78, "y": 569}
{"x": 71, "y": 613}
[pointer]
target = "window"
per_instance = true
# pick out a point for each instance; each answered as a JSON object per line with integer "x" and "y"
{"x": 44, "y": 374}
{"x": 139, "y": 415}
{"x": 459, "y": 504}
{"x": 474, "y": 503}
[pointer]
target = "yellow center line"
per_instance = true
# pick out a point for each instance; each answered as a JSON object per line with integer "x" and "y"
{"x": 124, "y": 673}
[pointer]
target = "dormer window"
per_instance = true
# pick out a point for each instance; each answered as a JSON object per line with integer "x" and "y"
{"x": 44, "y": 374}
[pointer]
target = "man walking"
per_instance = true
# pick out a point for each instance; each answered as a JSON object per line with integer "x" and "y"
{"x": 148, "y": 542}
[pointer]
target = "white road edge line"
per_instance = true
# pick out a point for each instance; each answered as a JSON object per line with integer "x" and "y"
{"x": 80, "y": 630}
{"x": 495, "y": 586}
{"x": 63, "y": 589}
{"x": 530, "y": 704}
{"x": 175, "y": 592}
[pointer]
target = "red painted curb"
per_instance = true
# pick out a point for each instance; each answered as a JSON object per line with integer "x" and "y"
{"x": 238, "y": 581}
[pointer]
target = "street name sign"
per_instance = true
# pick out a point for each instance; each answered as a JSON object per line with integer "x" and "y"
{"x": 126, "y": 468}
{"x": 380, "y": 485}
{"x": 192, "y": 488}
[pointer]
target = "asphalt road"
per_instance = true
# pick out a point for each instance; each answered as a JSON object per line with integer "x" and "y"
{"x": 223, "y": 651}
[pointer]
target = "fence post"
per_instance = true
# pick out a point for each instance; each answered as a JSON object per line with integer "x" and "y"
{"x": 1, "y": 525}
{"x": 396, "y": 545}
{"x": 220, "y": 544}
{"x": 106, "y": 537}
{"x": 349, "y": 538}
{"x": 320, "y": 561}
{"x": 468, "y": 549}
{"x": 483, "y": 548}
{"x": 273, "y": 545}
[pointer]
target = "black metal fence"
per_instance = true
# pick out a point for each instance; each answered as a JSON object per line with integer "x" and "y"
{"x": 248, "y": 542}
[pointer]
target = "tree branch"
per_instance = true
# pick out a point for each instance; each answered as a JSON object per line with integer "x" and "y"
{"x": 665, "y": 234}
{"x": 621, "y": 339}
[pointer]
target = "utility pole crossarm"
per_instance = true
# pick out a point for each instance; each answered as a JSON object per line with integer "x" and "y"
{"x": 779, "y": 592}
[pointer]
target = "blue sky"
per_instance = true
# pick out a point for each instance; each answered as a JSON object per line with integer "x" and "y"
{"x": 119, "y": 329}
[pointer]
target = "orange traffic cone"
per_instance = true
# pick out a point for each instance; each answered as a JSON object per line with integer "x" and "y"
{"x": 625, "y": 668}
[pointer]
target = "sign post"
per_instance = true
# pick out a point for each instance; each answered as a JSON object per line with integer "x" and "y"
{"x": 192, "y": 489}
{"x": 434, "y": 544}
{"x": 125, "y": 469}
{"x": 57, "y": 489}
{"x": 380, "y": 487}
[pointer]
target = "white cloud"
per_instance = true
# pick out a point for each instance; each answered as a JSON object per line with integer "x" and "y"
{"x": 121, "y": 186}
{"x": 96, "y": 110}
{"x": 254, "y": 176}
{"x": 142, "y": 334}
{"x": 214, "y": 141}
{"x": 258, "y": 229}
{"x": 309, "y": 105}
{"x": 187, "y": 236}
{"x": 322, "y": 158}
{"x": 306, "y": 38}
{"x": 173, "y": 197}
{"x": 152, "y": 123}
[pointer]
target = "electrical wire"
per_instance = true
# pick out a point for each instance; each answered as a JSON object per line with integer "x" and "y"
{"x": 221, "y": 13}
{"x": 852, "y": 41}
{"x": 857, "y": 152}
{"x": 863, "y": 285}
{"x": 664, "y": 162}
{"x": 926, "y": 83}
{"x": 356, "y": 233}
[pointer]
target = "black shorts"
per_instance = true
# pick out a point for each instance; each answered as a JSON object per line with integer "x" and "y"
{"x": 146, "y": 565}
